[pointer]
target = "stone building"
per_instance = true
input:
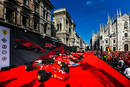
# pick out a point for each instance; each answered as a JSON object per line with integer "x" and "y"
{"x": 77, "y": 41}
{"x": 115, "y": 34}
{"x": 65, "y": 26}
{"x": 32, "y": 15}
{"x": 35, "y": 16}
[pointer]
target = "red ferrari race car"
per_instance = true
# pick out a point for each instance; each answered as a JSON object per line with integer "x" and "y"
{"x": 21, "y": 43}
{"x": 64, "y": 61}
{"x": 46, "y": 69}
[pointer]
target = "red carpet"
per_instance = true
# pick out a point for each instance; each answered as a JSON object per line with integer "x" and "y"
{"x": 93, "y": 72}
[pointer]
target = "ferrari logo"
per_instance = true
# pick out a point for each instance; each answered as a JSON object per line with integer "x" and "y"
{"x": 4, "y": 32}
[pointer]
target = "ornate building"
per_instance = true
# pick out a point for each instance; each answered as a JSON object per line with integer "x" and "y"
{"x": 32, "y": 15}
{"x": 35, "y": 16}
{"x": 115, "y": 34}
{"x": 65, "y": 26}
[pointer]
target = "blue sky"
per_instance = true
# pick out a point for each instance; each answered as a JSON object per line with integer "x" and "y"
{"x": 89, "y": 14}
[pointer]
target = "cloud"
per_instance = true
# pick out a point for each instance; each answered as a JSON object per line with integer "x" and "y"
{"x": 89, "y": 2}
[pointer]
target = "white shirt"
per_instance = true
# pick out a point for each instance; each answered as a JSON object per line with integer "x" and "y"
{"x": 127, "y": 72}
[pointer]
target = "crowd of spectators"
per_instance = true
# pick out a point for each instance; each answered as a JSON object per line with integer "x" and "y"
{"x": 118, "y": 60}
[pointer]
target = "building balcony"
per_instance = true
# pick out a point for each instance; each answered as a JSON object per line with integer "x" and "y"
{"x": 25, "y": 7}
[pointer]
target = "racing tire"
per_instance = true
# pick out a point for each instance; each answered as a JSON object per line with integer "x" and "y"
{"x": 28, "y": 67}
{"x": 42, "y": 76}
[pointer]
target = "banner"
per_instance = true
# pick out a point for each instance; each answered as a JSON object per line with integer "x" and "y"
{"x": 4, "y": 46}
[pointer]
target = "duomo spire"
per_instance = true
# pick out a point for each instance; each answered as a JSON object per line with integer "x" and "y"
{"x": 119, "y": 12}
{"x": 108, "y": 19}
{"x": 117, "y": 15}
{"x": 100, "y": 28}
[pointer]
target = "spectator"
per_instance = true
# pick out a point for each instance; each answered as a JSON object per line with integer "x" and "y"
{"x": 121, "y": 62}
{"x": 127, "y": 72}
{"x": 120, "y": 65}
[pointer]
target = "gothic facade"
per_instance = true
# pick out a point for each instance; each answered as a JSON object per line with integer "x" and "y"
{"x": 115, "y": 34}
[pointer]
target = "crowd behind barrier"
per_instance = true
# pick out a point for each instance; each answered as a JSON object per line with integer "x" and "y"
{"x": 119, "y": 60}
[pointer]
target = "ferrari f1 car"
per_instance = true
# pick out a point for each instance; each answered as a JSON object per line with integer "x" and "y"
{"x": 69, "y": 61}
{"x": 47, "y": 68}
{"x": 21, "y": 43}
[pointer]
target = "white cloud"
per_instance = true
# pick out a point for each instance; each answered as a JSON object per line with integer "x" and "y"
{"x": 89, "y": 2}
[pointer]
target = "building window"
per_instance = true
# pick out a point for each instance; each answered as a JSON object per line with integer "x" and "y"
{"x": 106, "y": 41}
{"x": 36, "y": 22}
{"x": 47, "y": 16}
{"x": 45, "y": 28}
{"x": 126, "y": 34}
{"x": 126, "y": 25}
{"x": 43, "y": 13}
{"x": 35, "y": 25}
{"x": 126, "y": 47}
{"x": 69, "y": 31}
{"x": 60, "y": 26}
{"x": 106, "y": 48}
{"x": 114, "y": 41}
{"x": 9, "y": 15}
{"x": 24, "y": 20}
{"x": 101, "y": 37}
{"x": 52, "y": 34}
{"x": 114, "y": 48}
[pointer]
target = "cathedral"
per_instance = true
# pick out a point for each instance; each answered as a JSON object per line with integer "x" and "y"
{"x": 115, "y": 34}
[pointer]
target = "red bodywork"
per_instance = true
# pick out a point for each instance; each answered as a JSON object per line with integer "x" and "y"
{"x": 66, "y": 60}
{"x": 28, "y": 45}
{"x": 55, "y": 70}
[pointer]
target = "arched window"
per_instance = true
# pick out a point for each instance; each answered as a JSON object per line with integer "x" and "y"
{"x": 69, "y": 30}
{"x": 101, "y": 37}
{"x": 126, "y": 35}
{"x": 114, "y": 41}
{"x": 45, "y": 28}
{"x": 114, "y": 48}
{"x": 126, "y": 47}
{"x": 126, "y": 25}
{"x": 106, "y": 41}
{"x": 60, "y": 26}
